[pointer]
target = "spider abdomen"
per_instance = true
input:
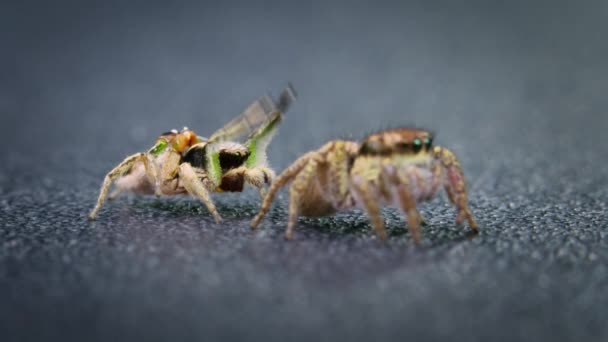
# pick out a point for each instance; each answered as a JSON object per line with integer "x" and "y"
{"x": 316, "y": 203}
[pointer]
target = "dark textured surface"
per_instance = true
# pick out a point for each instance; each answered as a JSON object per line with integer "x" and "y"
{"x": 517, "y": 91}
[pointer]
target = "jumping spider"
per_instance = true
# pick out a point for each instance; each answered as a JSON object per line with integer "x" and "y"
{"x": 397, "y": 166}
{"x": 182, "y": 162}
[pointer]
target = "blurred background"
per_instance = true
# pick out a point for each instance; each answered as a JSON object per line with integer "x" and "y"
{"x": 516, "y": 89}
{"x": 480, "y": 69}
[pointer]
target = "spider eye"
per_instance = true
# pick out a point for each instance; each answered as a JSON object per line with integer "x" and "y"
{"x": 428, "y": 142}
{"x": 417, "y": 145}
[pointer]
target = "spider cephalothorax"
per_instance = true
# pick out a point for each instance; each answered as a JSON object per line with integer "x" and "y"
{"x": 399, "y": 167}
{"x": 182, "y": 162}
{"x": 395, "y": 142}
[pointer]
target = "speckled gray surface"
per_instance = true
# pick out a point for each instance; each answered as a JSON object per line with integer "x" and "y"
{"x": 517, "y": 91}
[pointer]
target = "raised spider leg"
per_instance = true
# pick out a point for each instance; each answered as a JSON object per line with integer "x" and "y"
{"x": 455, "y": 185}
{"x": 278, "y": 183}
{"x": 369, "y": 201}
{"x": 195, "y": 187}
{"x": 268, "y": 178}
{"x": 259, "y": 177}
{"x": 119, "y": 171}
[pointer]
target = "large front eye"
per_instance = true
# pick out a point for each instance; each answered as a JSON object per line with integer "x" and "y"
{"x": 428, "y": 142}
{"x": 417, "y": 145}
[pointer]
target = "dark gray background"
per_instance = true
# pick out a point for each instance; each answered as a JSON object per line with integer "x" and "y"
{"x": 517, "y": 89}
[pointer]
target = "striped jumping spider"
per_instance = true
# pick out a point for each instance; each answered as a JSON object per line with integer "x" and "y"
{"x": 182, "y": 162}
{"x": 398, "y": 166}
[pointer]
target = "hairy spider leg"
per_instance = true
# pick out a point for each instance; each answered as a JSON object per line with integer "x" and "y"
{"x": 258, "y": 177}
{"x": 196, "y": 187}
{"x": 364, "y": 192}
{"x": 287, "y": 175}
{"x": 119, "y": 171}
{"x": 407, "y": 202}
{"x": 339, "y": 156}
{"x": 335, "y": 155}
{"x": 296, "y": 191}
{"x": 455, "y": 185}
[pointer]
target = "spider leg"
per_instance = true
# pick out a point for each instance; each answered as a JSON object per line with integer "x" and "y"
{"x": 338, "y": 159}
{"x": 278, "y": 183}
{"x": 167, "y": 181}
{"x": 259, "y": 177}
{"x": 119, "y": 171}
{"x": 455, "y": 185}
{"x": 421, "y": 220}
{"x": 193, "y": 184}
{"x": 408, "y": 205}
{"x": 407, "y": 201}
{"x": 298, "y": 189}
{"x": 114, "y": 194}
{"x": 437, "y": 181}
{"x": 262, "y": 193}
{"x": 363, "y": 191}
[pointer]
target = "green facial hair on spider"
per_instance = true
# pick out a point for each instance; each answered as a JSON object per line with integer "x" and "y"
{"x": 184, "y": 163}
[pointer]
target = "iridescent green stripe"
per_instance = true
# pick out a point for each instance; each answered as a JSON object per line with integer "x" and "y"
{"x": 158, "y": 148}
{"x": 262, "y": 133}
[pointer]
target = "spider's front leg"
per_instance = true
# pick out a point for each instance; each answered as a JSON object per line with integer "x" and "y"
{"x": 119, "y": 171}
{"x": 363, "y": 191}
{"x": 297, "y": 190}
{"x": 193, "y": 184}
{"x": 365, "y": 185}
{"x": 401, "y": 180}
{"x": 167, "y": 181}
{"x": 339, "y": 157}
{"x": 292, "y": 171}
{"x": 259, "y": 177}
{"x": 455, "y": 185}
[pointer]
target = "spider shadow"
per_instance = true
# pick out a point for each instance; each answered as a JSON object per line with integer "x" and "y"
{"x": 355, "y": 223}
{"x": 228, "y": 208}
